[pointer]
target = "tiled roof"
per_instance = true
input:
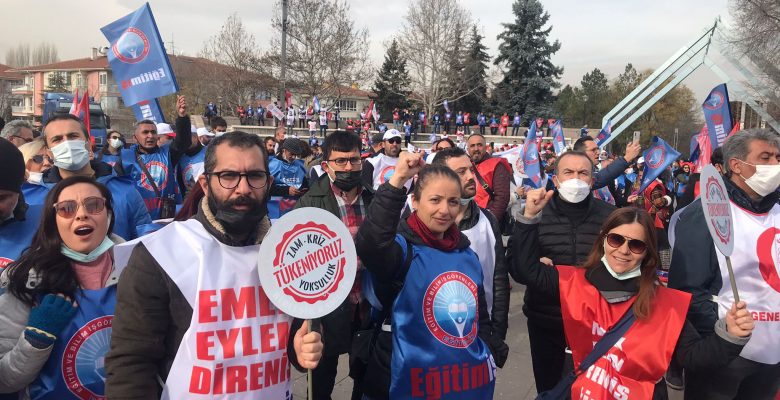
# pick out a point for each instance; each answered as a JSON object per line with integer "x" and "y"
{"x": 5, "y": 74}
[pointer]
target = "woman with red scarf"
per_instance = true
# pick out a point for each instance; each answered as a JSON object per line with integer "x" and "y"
{"x": 618, "y": 278}
{"x": 429, "y": 299}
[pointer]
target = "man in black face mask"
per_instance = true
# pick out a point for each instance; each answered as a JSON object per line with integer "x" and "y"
{"x": 339, "y": 191}
{"x": 205, "y": 261}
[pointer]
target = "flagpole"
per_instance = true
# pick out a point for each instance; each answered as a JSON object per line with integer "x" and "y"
{"x": 282, "y": 77}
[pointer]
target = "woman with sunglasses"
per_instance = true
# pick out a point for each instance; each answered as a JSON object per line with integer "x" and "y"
{"x": 112, "y": 151}
{"x": 618, "y": 277}
{"x": 36, "y": 160}
{"x": 56, "y": 314}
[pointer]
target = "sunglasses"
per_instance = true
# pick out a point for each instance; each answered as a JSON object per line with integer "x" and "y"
{"x": 394, "y": 140}
{"x": 636, "y": 246}
{"x": 38, "y": 159}
{"x": 26, "y": 140}
{"x": 68, "y": 208}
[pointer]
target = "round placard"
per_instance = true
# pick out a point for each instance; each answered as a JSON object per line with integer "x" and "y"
{"x": 307, "y": 263}
{"x": 717, "y": 209}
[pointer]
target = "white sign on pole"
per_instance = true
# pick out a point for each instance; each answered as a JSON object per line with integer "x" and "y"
{"x": 717, "y": 211}
{"x": 307, "y": 263}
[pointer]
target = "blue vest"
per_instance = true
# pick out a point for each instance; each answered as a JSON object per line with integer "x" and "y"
{"x": 289, "y": 174}
{"x": 436, "y": 350}
{"x": 110, "y": 159}
{"x": 185, "y": 165}
{"x": 76, "y": 365}
{"x": 163, "y": 173}
{"x": 16, "y": 236}
{"x": 481, "y": 119}
{"x": 516, "y": 121}
{"x": 459, "y": 119}
{"x": 129, "y": 210}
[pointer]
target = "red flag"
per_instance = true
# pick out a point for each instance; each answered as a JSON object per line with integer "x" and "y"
{"x": 369, "y": 111}
{"x": 287, "y": 99}
{"x": 737, "y": 127}
{"x": 75, "y": 106}
{"x": 705, "y": 149}
{"x": 82, "y": 111}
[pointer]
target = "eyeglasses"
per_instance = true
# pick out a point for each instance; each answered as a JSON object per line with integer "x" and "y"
{"x": 26, "y": 140}
{"x": 636, "y": 246}
{"x": 395, "y": 140}
{"x": 68, "y": 208}
{"x": 231, "y": 179}
{"x": 343, "y": 161}
{"x": 38, "y": 159}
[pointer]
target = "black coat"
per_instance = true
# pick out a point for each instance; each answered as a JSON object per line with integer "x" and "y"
{"x": 336, "y": 326}
{"x": 565, "y": 242}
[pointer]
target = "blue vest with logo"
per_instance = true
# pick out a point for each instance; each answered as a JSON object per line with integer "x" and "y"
{"x": 186, "y": 162}
{"x": 436, "y": 350}
{"x": 161, "y": 170}
{"x": 289, "y": 174}
{"x": 76, "y": 365}
{"x": 16, "y": 236}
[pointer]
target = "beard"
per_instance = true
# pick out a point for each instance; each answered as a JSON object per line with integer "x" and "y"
{"x": 238, "y": 222}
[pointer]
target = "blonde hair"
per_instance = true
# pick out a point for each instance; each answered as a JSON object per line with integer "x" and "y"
{"x": 31, "y": 149}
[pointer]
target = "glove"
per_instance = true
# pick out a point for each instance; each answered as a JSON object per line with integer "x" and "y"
{"x": 48, "y": 319}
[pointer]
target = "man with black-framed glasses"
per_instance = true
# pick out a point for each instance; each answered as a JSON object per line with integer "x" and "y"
{"x": 379, "y": 168}
{"x": 339, "y": 191}
{"x": 17, "y": 132}
{"x": 174, "y": 302}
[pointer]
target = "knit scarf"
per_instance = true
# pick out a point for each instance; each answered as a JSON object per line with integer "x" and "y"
{"x": 448, "y": 243}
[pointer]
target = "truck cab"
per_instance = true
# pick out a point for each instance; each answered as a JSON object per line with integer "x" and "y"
{"x": 60, "y": 103}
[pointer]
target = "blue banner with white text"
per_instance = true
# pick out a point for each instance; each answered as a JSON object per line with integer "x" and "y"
{"x": 148, "y": 109}
{"x": 137, "y": 57}
{"x": 717, "y": 113}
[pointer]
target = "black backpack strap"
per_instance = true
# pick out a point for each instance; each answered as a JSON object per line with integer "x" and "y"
{"x": 483, "y": 183}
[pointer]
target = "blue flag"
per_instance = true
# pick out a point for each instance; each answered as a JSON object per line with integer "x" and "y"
{"x": 717, "y": 113}
{"x": 316, "y": 104}
{"x": 559, "y": 142}
{"x": 605, "y": 133}
{"x": 148, "y": 109}
{"x": 694, "y": 148}
{"x": 531, "y": 158}
{"x": 659, "y": 156}
{"x": 137, "y": 57}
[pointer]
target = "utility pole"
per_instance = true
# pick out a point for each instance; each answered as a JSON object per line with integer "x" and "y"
{"x": 282, "y": 78}
{"x": 676, "y": 135}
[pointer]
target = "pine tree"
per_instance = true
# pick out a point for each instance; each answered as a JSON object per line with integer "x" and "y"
{"x": 524, "y": 54}
{"x": 454, "y": 78}
{"x": 475, "y": 72}
{"x": 392, "y": 83}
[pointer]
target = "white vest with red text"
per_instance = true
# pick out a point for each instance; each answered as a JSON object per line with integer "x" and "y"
{"x": 236, "y": 345}
{"x": 756, "y": 265}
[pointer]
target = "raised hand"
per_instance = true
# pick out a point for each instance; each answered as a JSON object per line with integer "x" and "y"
{"x": 535, "y": 200}
{"x": 408, "y": 165}
{"x": 181, "y": 106}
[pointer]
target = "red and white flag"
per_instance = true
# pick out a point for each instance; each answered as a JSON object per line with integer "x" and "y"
{"x": 74, "y": 107}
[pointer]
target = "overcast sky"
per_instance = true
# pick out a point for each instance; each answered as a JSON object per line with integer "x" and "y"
{"x": 603, "y": 34}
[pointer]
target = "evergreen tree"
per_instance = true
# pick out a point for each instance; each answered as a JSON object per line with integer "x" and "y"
{"x": 454, "y": 78}
{"x": 596, "y": 97}
{"x": 475, "y": 72}
{"x": 524, "y": 54}
{"x": 392, "y": 83}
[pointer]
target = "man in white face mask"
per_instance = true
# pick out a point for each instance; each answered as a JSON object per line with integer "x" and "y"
{"x": 751, "y": 164}
{"x": 69, "y": 145}
{"x": 569, "y": 224}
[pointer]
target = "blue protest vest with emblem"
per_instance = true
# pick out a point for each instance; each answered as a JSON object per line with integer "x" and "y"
{"x": 186, "y": 163}
{"x": 288, "y": 174}
{"x": 436, "y": 350}
{"x": 16, "y": 236}
{"x": 76, "y": 365}
{"x": 163, "y": 173}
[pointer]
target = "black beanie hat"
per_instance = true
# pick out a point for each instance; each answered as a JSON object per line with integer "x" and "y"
{"x": 12, "y": 167}
{"x": 293, "y": 145}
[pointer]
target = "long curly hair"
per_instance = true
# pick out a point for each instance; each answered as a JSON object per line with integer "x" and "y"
{"x": 650, "y": 262}
{"x": 44, "y": 254}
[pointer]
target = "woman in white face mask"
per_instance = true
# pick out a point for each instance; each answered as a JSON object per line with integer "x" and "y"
{"x": 112, "y": 151}
{"x": 60, "y": 297}
{"x": 617, "y": 286}
{"x": 36, "y": 159}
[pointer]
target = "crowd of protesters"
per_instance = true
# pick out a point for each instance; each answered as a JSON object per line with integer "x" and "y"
{"x": 623, "y": 288}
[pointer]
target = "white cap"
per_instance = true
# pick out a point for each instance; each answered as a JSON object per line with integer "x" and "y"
{"x": 193, "y": 129}
{"x": 164, "y": 129}
{"x": 641, "y": 160}
{"x": 392, "y": 133}
{"x": 203, "y": 132}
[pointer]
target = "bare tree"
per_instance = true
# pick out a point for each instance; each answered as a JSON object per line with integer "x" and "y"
{"x": 235, "y": 47}
{"x": 45, "y": 53}
{"x": 757, "y": 39}
{"x": 326, "y": 52}
{"x": 426, "y": 40}
{"x": 18, "y": 56}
